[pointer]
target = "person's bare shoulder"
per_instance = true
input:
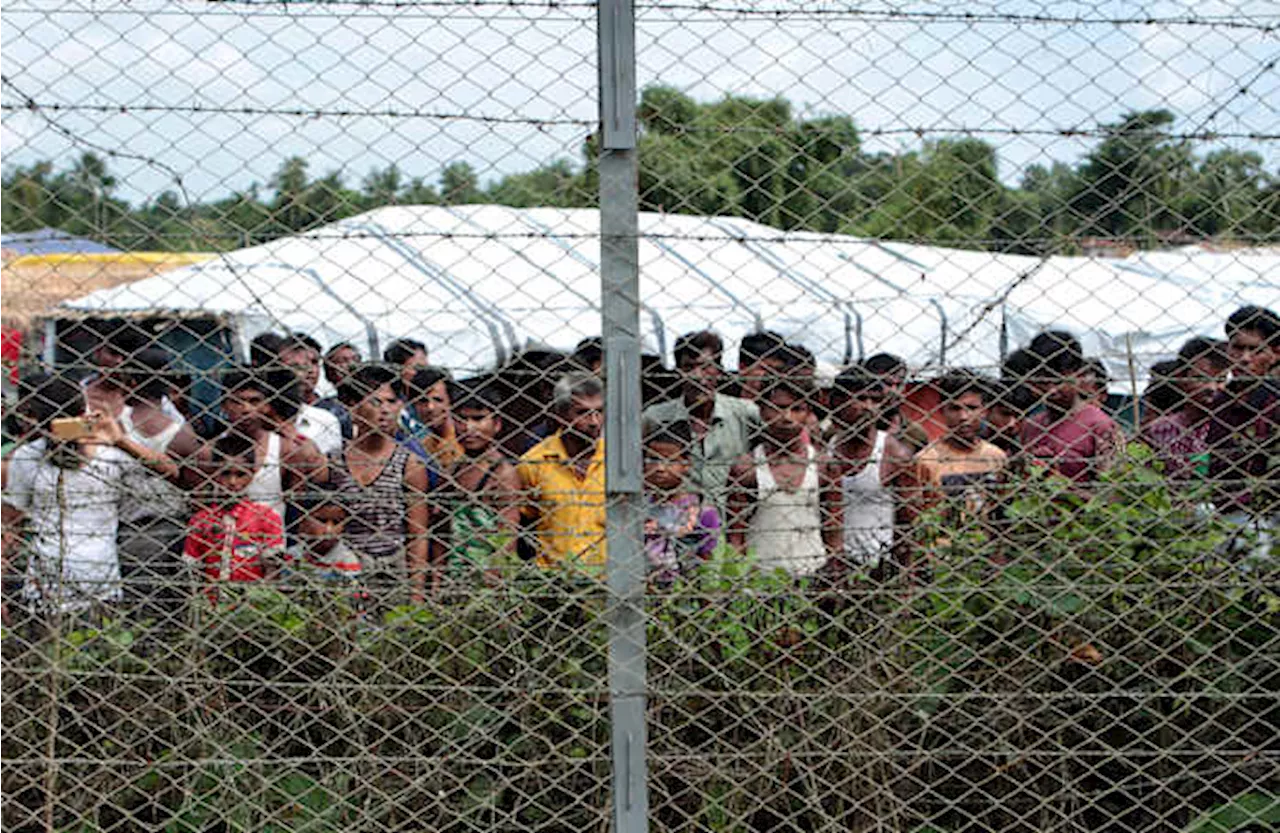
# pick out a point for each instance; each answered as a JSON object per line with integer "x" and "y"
{"x": 743, "y": 471}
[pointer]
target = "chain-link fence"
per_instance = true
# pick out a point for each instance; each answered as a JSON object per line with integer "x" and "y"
{"x": 438, "y": 415}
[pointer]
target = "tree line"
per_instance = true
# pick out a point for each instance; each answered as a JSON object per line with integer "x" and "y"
{"x": 1140, "y": 185}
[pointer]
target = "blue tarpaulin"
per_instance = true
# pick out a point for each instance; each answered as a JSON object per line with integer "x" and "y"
{"x": 51, "y": 241}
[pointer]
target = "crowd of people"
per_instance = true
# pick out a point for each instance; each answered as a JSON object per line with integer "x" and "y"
{"x": 120, "y": 489}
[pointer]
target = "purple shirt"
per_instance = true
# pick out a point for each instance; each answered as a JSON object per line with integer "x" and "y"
{"x": 677, "y": 533}
{"x": 1073, "y": 443}
{"x": 1181, "y": 446}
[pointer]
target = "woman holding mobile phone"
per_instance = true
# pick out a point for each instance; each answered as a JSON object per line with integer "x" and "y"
{"x": 64, "y": 488}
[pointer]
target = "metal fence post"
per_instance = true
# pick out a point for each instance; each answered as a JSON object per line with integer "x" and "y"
{"x": 620, "y": 307}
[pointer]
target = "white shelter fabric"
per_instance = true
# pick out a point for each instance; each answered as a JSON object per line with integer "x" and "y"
{"x": 478, "y": 282}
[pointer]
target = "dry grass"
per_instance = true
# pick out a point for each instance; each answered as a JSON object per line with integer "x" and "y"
{"x": 32, "y": 286}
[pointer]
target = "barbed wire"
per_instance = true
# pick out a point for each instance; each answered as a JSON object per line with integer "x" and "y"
{"x": 1264, "y": 24}
{"x": 918, "y": 131}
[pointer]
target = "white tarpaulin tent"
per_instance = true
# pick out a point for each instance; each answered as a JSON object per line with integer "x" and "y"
{"x": 477, "y": 283}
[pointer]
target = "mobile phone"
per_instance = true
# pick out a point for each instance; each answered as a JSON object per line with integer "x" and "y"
{"x": 71, "y": 428}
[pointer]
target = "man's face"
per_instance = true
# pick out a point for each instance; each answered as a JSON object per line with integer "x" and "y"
{"x": 377, "y": 411}
{"x": 1202, "y": 383}
{"x": 322, "y": 526}
{"x": 757, "y": 375}
{"x": 1251, "y": 357}
{"x": 1004, "y": 420}
{"x": 107, "y": 357}
{"x": 584, "y": 418}
{"x": 432, "y": 407}
{"x": 247, "y": 409}
{"x": 784, "y": 414}
{"x": 963, "y": 416}
{"x": 338, "y": 364}
{"x": 860, "y": 408}
{"x": 1091, "y": 388}
{"x": 304, "y": 362}
{"x": 412, "y": 365}
{"x": 666, "y": 465}
{"x": 477, "y": 428}
{"x": 1058, "y": 391}
{"x": 701, "y": 374}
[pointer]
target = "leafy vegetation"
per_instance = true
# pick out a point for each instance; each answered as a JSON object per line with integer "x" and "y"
{"x": 1103, "y": 663}
{"x": 1140, "y": 185}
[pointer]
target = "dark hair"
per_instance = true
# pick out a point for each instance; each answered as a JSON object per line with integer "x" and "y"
{"x": 886, "y": 364}
{"x": 962, "y": 382}
{"x": 1096, "y": 368}
{"x": 146, "y": 372}
{"x": 284, "y": 393}
{"x": 339, "y": 346}
{"x": 798, "y": 357}
{"x": 1012, "y": 396}
{"x": 44, "y": 397}
{"x": 855, "y": 379}
{"x": 754, "y": 347}
{"x": 318, "y": 494}
{"x": 478, "y": 394}
{"x": 1202, "y": 349}
{"x": 1057, "y": 353}
{"x": 264, "y": 349}
{"x": 677, "y": 433}
{"x": 364, "y": 380}
{"x": 798, "y": 385}
{"x": 589, "y": 351}
{"x": 1162, "y": 394}
{"x": 689, "y": 345}
{"x": 1019, "y": 365}
{"x": 401, "y": 350}
{"x": 280, "y": 387}
{"x": 1255, "y": 319}
{"x": 300, "y": 341}
{"x": 422, "y": 381}
{"x": 232, "y": 446}
{"x": 243, "y": 378}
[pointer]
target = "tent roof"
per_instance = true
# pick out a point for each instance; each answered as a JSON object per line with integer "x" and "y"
{"x": 479, "y": 282}
{"x": 48, "y": 241}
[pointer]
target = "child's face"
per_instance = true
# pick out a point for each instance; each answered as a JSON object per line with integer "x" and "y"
{"x": 233, "y": 477}
{"x": 477, "y": 428}
{"x": 963, "y": 416}
{"x": 666, "y": 465}
{"x": 321, "y": 528}
{"x": 784, "y": 415}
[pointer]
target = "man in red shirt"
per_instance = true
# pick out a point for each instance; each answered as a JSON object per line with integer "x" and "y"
{"x": 1180, "y": 438}
{"x": 231, "y": 538}
{"x": 1071, "y": 435}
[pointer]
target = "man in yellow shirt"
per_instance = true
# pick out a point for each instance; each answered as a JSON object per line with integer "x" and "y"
{"x": 563, "y": 479}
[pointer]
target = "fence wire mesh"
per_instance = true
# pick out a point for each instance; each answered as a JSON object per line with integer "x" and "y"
{"x": 954, "y": 447}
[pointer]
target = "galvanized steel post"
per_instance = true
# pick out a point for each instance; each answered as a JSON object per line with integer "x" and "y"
{"x": 620, "y": 310}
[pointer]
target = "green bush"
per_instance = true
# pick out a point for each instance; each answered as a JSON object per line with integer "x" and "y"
{"x": 1103, "y": 663}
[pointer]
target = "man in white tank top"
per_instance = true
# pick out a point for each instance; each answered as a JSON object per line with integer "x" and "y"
{"x": 153, "y": 515}
{"x": 773, "y": 491}
{"x": 864, "y": 472}
{"x": 285, "y": 460}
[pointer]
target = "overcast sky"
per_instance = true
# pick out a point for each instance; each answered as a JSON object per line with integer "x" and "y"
{"x": 506, "y": 63}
